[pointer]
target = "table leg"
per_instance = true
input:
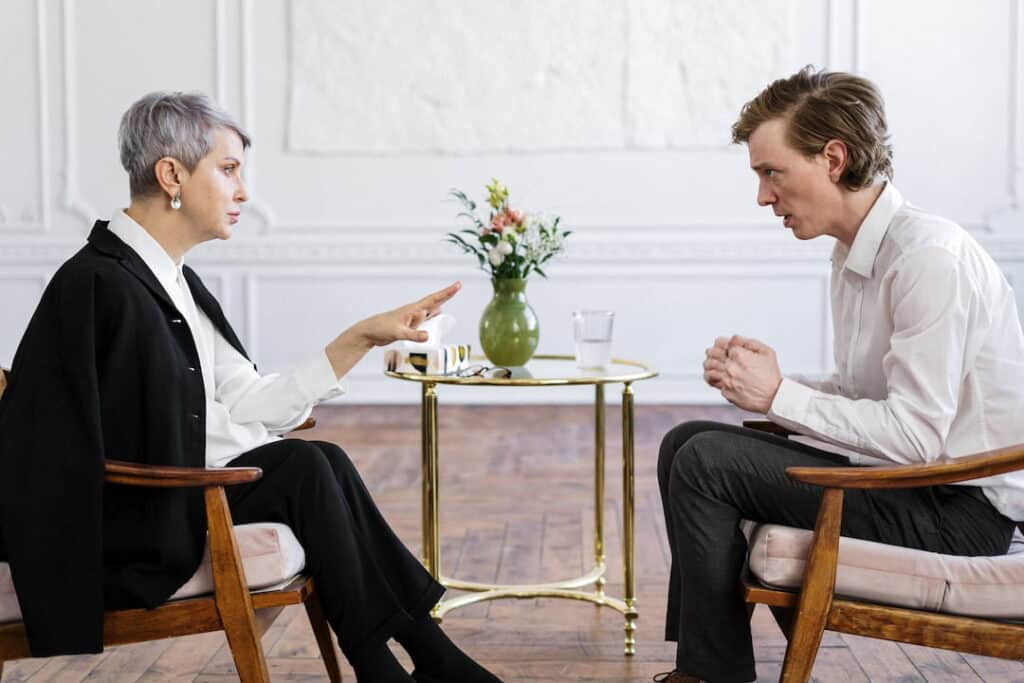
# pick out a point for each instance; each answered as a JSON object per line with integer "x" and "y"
{"x": 430, "y": 502}
{"x": 628, "y": 525}
{"x": 599, "y": 484}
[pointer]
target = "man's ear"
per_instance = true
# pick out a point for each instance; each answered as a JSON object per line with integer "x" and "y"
{"x": 169, "y": 174}
{"x": 837, "y": 156}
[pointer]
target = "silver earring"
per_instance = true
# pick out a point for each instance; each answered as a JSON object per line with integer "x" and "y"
{"x": 176, "y": 202}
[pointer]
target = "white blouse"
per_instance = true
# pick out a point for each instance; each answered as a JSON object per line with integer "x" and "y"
{"x": 244, "y": 409}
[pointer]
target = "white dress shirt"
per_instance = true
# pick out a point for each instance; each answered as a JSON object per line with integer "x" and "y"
{"x": 928, "y": 349}
{"x": 244, "y": 409}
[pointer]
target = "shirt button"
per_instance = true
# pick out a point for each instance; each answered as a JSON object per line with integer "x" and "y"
{"x": 191, "y": 369}
{"x": 195, "y": 416}
{"x": 176, "y": 321}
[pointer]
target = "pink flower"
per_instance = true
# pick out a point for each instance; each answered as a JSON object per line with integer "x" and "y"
{"x": 514, "y": 216}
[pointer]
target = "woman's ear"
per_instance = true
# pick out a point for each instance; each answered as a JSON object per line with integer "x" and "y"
{"x": 169, "y": 174}
{"x": 837, "y": 156}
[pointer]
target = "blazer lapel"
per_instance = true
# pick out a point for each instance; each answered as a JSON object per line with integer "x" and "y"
{"x": 213, "y": 311}
{"x": 107, "y": 242}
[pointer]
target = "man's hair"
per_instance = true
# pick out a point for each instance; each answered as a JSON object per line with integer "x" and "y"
{"x": 169, "y": 124}
{"x": 819, "y": 106}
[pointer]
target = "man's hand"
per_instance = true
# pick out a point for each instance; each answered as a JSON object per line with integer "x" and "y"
{"x": 714, "y": 363}
{"x": 748, "y": 375}
{"x": 3, "y": 381}
{"x": 384, "y": 328}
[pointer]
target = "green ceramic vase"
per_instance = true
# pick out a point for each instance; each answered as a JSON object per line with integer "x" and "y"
{"x": 509, "y": 329}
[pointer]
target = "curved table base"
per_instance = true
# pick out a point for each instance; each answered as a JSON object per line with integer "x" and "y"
{"x": 565, "y": 589}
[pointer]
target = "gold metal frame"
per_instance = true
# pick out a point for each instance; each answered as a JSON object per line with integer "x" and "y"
{"x": 572, "y": 588}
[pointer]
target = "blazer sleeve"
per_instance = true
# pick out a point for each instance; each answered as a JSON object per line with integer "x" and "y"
{"x": 51, "y": 469}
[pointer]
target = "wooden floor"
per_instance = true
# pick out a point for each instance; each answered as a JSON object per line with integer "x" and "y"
{"x": 517, "y": 506}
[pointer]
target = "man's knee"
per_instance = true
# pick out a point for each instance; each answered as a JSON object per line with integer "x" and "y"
{"x": 701, "y": 458}
{"x": 674, "y": 441}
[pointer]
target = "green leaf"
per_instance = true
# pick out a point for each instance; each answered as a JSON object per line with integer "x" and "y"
{"x": 461, "y": 196}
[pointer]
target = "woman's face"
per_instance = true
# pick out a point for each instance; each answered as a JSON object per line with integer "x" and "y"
{"x": 213, "y": 193}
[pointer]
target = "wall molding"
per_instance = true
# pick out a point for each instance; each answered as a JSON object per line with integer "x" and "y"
{"x": 220, "y": 58}
{"x": 1016, "y": 93}
{"x": 70, "y": 199}
{"x": 42, "y": 80}
{"x": 844, "y": 23}
{"x": 641, "y": 248}
{"x": 248, "y": 118}
{"x": 43, "y": 223}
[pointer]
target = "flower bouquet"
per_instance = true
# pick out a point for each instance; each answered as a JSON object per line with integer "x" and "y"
{"x": 509, "y": 245}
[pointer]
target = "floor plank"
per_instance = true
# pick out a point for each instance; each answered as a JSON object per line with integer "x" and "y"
{"x": 517, "y": 506}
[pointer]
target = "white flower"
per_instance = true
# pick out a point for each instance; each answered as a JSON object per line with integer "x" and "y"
{"x": 504, "y": 248}
{"x": 495, "y": 256}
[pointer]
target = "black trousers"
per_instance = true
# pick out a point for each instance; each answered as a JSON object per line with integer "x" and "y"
{"x": 369, "y": 583}
{"x": 713, "y": 475}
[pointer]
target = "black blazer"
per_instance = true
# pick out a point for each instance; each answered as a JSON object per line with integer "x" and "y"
{"x": 107, "y": 369}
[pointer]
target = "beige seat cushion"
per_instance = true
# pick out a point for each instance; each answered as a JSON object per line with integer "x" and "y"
{"x": 976, "y": 586}
{"x": 271, "y": 555}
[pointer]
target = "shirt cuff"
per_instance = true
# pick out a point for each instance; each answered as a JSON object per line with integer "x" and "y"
{"x": 316, "y": 379}
{"x": 791, "y": 404}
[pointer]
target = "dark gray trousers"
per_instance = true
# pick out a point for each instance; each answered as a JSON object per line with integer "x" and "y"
{"x": 713, "y": 475}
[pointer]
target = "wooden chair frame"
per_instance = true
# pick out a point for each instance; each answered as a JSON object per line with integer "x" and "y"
{"x": 816, "y": 606}
{"x": 244, "y": 616}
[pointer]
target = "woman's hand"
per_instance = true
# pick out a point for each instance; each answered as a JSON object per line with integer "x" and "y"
{"x": 401, "y": 324}
{"x": 384, "y": 328}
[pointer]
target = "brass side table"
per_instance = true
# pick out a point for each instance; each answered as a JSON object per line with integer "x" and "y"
{"x": 541, "y": 371}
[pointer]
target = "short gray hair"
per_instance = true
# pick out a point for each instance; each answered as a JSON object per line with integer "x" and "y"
{"x": 169, "y": 124}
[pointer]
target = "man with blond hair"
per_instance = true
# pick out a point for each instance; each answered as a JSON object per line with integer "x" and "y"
{"x": 929, "y": 356}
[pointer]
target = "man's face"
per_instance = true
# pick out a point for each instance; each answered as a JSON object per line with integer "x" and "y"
{"x": 797, "y": 187}
{"x": 213, "y": 196}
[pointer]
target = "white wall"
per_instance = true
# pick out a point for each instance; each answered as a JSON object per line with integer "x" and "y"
{"x": 612, "y": 113}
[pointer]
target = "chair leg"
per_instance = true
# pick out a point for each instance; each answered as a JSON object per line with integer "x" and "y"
{"x": 234, "y": 604}
{"x": 246, "y": 650}
{"x": 817, "y": 590}
{"x": 324, "y": 640}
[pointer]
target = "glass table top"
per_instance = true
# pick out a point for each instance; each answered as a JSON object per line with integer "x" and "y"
{"x": 542, "y": 370}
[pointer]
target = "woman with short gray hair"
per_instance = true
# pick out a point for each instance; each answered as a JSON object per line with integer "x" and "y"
{"x": 129, "y": 356}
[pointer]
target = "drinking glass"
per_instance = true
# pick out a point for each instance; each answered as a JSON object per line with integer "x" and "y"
{"x": 592, "y": 331}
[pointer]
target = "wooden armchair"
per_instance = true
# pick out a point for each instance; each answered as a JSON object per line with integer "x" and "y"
{"x": 818, "y": 608}
{"x": 243, "y": 615}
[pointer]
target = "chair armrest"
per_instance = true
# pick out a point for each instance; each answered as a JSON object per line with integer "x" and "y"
{"x": 162, "y": 476}
{"x": 949, "y": 471}
{"x": 769, "y": 427}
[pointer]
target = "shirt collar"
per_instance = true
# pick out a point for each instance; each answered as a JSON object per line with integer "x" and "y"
{"x": 860, "y": 256}
{"x": 148, "y": 249}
